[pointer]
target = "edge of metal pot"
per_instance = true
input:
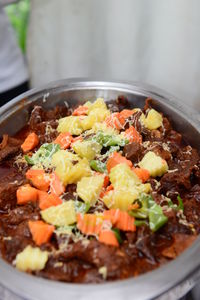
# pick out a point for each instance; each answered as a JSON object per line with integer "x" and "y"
{"x": 148, "y": 286}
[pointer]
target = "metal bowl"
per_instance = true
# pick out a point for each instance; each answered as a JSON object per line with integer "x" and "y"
{"x": 170, "y": 281}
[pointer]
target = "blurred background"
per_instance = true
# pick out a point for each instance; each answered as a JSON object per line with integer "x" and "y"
{"x": 155, "y": 42}
{"x": 151, "y": 41}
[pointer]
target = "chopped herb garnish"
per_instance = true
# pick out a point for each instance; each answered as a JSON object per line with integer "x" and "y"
{"x": 180, "y": 205}
{"x": 107, "y": 140}
{"x": 151, "y": 210}
{"x": 82, "y": 207}
{"x": 43, "y": 156}
{"x": 139, "y": 223}
{"x": 98, "y": 166}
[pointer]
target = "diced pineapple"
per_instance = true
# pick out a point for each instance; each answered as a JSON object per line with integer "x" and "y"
{"x": 121, "y": 198}
{"x": 153, "y": 120}
{"x": 71, "y": 124}
{"x": 79, "y": 170}
{"x": 87, "y": 122}
{"x": 100, "y": 114}
{"x": 154, "y": 164}
{"x": 88, "y": 149}
{"x": 89, "y": 188}
{"x": 99, "y": 103}
{"x": 32, "y": 259}
{"x": 144, "y": 188}
{"x": 103, "y": 127}
{"x": 69, "y": 167}
{"x": 60, "y": 215}
{"x": 63, "y": 161}
{"x": 121, "y": 176}
{"x": 88, "y": 104}
{"x": 63, "y": 155}
{"x": 94, "y": 116}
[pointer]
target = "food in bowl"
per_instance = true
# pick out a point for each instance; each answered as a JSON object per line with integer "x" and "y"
{"x": 97, "y": 193}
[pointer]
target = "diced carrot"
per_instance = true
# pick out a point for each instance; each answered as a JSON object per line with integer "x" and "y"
{"x": 108, "y": 237}
{"x": 112, "y": 215}
{"x": 47, "y": 200}
{"x": 56, "y": 185}
{"x": 133, "y": 135}
{"x": 88, "y": 224}
{"x": 106, "y": 178}
{"x": 106, "y": 181}
{"x": 26, "y": 193}
{"x": 120, "y": 219}
{"x": 106, "y": 190}
{"x": 80, "y": 111}
{"x": 30, "y": 142}
{"x": 115, "y": 120}
{"x": 39, "y": 179}
{"x": 64, "y": 140}
{"x": 41, "y": 232}
{"x": 126, "y": 113}
{"x": 143, "y": 174}
{"x": 115, "y": 159}
{"x": 133, "y": 206}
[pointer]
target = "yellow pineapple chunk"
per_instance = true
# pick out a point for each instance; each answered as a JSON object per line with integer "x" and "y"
{"x": 99, "y": 103}
{"x": 63, "y": 162}
{"x": 71, "y": 124}
{"x": 32, "y": 259}
{"x": 94, "y": 116}
{"x": 121, "y": 176}
{"x": 88, "y": 149}
{"x": 69, "y": 167}
{"x": 154, "y": 164}
{"x": 153, "y": 120}
{"x": 60, "y": 215}
{"x": 103, "y": 127}
{"x": 89, "y": 188}
{"x": 121, "y": 198}
{"x": 87, "y": 122}
{"x": 79, "y": 170}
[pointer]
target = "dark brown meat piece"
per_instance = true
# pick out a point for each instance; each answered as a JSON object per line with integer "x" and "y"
{"x": 38, "y": 115}
{"x": 44, "y": 123}
{"x": 143, "y": 243}
{"x": 133, "y": 152}
{"x": 97, "y": 254}
{"x": 63, "y": 271}
{"x": 181, "y": 242}
{"x": 9, "y": 146}
{"x": 180, "y": 179}
{"x": 8, "y": 187}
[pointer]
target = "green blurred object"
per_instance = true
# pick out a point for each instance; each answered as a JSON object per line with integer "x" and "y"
{"x": 18, "y": 14}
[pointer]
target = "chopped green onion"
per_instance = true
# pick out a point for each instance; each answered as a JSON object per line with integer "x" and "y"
{"x": 139, "y": 223}
{"x": 82, "y": 207}
{"x": 180, "y": 203}
{"x": 107, "y": 140}
{"x": 43, "y": 155}
{"x": 156, "y": 217}
{"x": 151, "y": 210}
{"x": 29, "y": 160}
{"x": 98, "y": 166}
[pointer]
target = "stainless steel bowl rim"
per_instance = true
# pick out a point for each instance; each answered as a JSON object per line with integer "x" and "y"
{"x": 148, "y": 286}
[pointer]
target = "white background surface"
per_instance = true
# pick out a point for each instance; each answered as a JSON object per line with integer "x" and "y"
{"x": 153, "y": 41}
